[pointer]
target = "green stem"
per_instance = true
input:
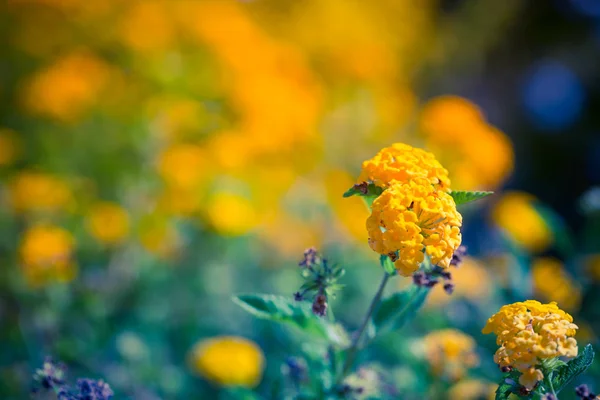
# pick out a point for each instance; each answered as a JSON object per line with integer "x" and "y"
{"x": 358, "y": 335}
{"x": 550, "y": 384}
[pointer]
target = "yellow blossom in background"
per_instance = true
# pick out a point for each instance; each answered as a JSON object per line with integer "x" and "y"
{"x": 478, "y": 155}
{"x": 401, "y": 163}
{"x": 157, "y": 235}
{"x": 39, "y": 191}
{"x": 66, "y": 89}
{"x": 146, "y": 26}
{"x": 10, "y": 146}
{"x": 46, "y": 255}
{"x": 552, "y": 283}
{"x": 471, "y": 281}
{"x": 529, "y": 332}
{"x": 515, "y": 213}
{"x": 183, "y": 165}
{"x": 270, "y": 84}
{"x": 471, "y": 389}
{"x": 415, "y": 219}
{"x": 450, "y": 353}
{"x": 231, "y": 214}
{"x": 108, "y": 222}
{"x": 288, "y": 234}
{"x": 228, "y": 361}
{"x": 352, "y": 212}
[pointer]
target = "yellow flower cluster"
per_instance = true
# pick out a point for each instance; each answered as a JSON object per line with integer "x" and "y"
{"x": 515, "y": 213}
{"x": 529, "y": 332}
{"x": 414, "y": 219}
{"x": 471, "y": 389}
{"x": 401, "y": 163}
{"x": 450, "y": 353}
{"x": 108, "y": 222}
{"x": 33, "y": 191}
{"x": 552, "y": 283}
{"x": 228, "y": 361}
{"x": 46, "y": 255}
{"x": 478, "y": 155}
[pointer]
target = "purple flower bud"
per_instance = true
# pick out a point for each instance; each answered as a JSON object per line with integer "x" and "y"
{"x": 311, "y": 257}
{"x": 319, "y": 306}
{"x": 449, "y": 288}
{"x": 298, "y": 296}
{"x": 582, "y": 391}
{"x": 458, "y": 256}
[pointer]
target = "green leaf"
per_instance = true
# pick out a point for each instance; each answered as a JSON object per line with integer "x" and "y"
{"x": 462, "y": 197}
{"x": 397, "y": 309}
{"x": 294, "y": 313}
{"x": 566, "y": 373}
{"x": 387, "y": 264}
{"x": 367, "y": 190}
{"x": 509, "y": 384}
{"x": 239, "y": 393}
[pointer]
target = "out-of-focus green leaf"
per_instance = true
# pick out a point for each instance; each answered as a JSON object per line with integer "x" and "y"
{"x": 562, "y": 235}
{"x": 508, "y": 384}
{"x": 239, "y": 393}
{"x": 399, "y": 308}
{"x": 566, "y": 373}
{"x": 294, "y": 313}
{"x": 462, "y": 197}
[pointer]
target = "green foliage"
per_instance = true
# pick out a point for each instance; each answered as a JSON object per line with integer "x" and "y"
{"x": 462, "y": 197}
{"x": 366, "y": 190}
{"x": 387, "y": 264}
{"x": 509, "y": 384}
{"x": 294, "y": 313}
{"x": 566, "y": 373}
{"x": 399, "y": 308}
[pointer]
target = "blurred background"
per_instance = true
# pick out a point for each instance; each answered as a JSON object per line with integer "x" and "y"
{"x": 159, "y": 156}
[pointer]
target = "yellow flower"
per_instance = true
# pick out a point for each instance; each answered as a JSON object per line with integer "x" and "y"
{"x": 46, "y": 255}
{"x": 471, "y": 389}
{"x": 229, "y": 361}
{"x": 529, "y": 332}
{"x": 182, "y": 165}
{"x": 401, "y": 163}
{"x": 478, "y": 156}
{"x": 231, "y": 214}
{"x": 515, "y": 213}
{"x": 9, "y": 146}
{"x": 108, "y": 222}
{"x": 67, "y": 88}
{"x": 415, "y": 219}
{"x": 450, "y": 353}
{"x": 158, "y": 237}
{"x": 38, "y": 191}
{"x": 552, "y": 283}
{"x": 471, "y": 281}
{"x": 147, "y": 26}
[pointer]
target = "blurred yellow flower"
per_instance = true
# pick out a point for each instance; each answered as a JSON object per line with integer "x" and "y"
{"x": 478, "y": 156}
{"x": 471, "y": 281}
{"x": 46, "y": 255}
{"x": 471, "y": 389}
{"x": 401, "y": 163}
{"x": 158, "y": 236}
{"x": 351, "y": 212}
{"x": 10, "y": 146}
{"x": 414, "y": 219}
{"x": 552, "y": 283}
{"x": 231, "y": 214}
{"x": 67, "y": 88}
{"x": 147, "y": 26}
{"x": 529, "y": 332}
{"x": 515, "y": 213}
{"x": 228, "y": 361}
{"x": 450, "y": 353}
{"x": 183, "y": 165}
{"x": 38, "y": 191}
{"x": 108, "y": 222}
